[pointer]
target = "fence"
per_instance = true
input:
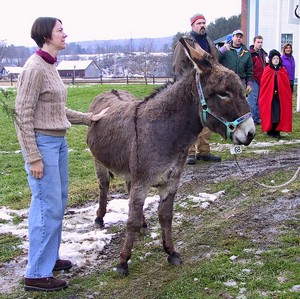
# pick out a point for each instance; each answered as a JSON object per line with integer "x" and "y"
{"x": 103, "y": 80}
{"x": 119, "y": 80}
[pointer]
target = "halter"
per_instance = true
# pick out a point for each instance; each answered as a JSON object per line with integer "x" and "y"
{"x": 230, "y": 125}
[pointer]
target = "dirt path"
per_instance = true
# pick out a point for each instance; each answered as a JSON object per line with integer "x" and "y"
{"x": 264, "y": 220}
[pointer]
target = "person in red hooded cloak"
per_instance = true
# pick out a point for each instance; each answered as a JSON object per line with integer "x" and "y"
{"x": 275, "y": 97}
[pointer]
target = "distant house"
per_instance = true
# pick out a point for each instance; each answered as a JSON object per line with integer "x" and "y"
{"x": 78, "y": 69}
{"x": 10, "y": 72}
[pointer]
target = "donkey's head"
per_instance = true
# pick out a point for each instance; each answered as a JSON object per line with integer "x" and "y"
{"x": 223, "y": 105}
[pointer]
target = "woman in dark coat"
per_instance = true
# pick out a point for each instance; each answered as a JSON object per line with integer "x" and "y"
{"x": 275, "y": 98}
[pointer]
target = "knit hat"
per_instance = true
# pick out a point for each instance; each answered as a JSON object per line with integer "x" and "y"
{"x": 196, "y": 17}
{"x": 239, "y": 31}
{"x": 274, "y": 53}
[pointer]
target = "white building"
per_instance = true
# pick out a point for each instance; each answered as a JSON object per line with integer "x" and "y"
{"x": 78, "y": 69}
{"x": 10, "y": 72}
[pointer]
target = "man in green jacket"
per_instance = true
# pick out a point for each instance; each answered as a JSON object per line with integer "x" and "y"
{"x": 236, "y": 57}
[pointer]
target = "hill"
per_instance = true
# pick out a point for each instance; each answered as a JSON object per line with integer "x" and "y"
{"x": 160, "y": 44}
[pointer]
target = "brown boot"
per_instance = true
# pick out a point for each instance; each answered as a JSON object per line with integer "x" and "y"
{"x": 62, "y": 265}
{"x": 44, "y": 284}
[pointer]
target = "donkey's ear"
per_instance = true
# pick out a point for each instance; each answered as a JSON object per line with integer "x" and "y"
{"x": 200, "y": 58}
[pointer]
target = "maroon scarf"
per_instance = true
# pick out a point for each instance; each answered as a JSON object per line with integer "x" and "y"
{"x": 46, "y": 56}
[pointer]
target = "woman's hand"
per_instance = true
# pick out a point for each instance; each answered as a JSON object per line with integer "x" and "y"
{"x": 96, "y": 117}
{"x": 37, "y": 169}
{"x": 248, "y": 89}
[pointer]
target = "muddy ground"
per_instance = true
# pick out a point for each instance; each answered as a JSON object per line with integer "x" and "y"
{"x": 261, "y": 223}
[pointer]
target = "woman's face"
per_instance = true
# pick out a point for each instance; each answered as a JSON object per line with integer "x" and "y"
{"x": 275, "y": 60}
{"x": 58, "y": 37}
{"x": 288, "y": 50}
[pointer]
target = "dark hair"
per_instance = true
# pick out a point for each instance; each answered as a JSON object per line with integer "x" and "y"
{"x": 285, "y": 46}
{"x": 257, "y": 37}
{"x": 273, "y": 53}
{"x": 41, "y": 29}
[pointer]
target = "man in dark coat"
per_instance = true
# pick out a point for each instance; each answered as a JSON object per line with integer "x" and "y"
{"x": 259, "y": 61}
{"x": 198, "y": 39}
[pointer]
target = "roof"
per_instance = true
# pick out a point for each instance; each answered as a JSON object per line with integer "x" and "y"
{"x": 67, "y": 65}
{"x": 13, "y": 69}
{"x": 221, "y": 39}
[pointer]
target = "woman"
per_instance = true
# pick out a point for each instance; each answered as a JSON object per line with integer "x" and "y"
{"x": 288, "y": 62}
{"x": 275, "y": 98}
{"x": 41, "y": 123}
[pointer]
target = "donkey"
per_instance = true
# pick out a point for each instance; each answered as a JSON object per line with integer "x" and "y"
{"x": 146, "y": 142}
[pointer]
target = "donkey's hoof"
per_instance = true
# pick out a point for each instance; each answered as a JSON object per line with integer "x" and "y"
{"x": 175, "y": 259}
{"x": 99, "y": 222}
{"x": 122, "y": 269}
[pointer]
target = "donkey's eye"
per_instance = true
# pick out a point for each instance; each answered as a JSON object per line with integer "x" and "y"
{"x": 224, "y": 95}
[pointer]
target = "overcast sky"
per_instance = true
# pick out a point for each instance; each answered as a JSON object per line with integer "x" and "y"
{"x": 109, "y": 19}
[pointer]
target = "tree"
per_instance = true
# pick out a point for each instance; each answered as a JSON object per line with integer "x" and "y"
{"x": 3, "y": 49}
{"x": 176, "y": 38}
{"x": 222, "y": 26}
{"x": 16, "y": 55}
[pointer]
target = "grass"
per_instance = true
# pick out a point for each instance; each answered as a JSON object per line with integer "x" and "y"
{"x": 15, "y": 192}
{"x": 208, "y": 245}
{"x": 8, "y": 247}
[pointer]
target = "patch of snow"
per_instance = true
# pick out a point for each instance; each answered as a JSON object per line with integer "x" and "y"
{"x": 230, "y": 283}
{"x": 81, "y": 240}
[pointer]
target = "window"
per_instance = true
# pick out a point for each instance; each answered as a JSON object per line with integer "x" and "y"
{"x": 286, "y": 38}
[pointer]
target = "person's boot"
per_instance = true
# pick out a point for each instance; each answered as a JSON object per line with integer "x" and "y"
{"x": 62, "y": 265}
{"x": 277, "y": 134}
{"x": 190, "y": 160}
{"x": 44, "y": 284}
{"x": 208, "y": 158}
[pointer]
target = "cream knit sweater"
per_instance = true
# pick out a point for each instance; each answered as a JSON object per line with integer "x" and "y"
{"x": 40, "y": 106}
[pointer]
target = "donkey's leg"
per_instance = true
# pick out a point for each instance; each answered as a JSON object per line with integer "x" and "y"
{"x": 103, "y": 184}
{"x": 134, "y": 225}
{"x": 165, "y": 216}
{"x": 128, "y": 185}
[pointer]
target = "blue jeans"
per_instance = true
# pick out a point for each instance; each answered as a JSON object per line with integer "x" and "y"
{"x": 253, "y": 101}
{"x": 48, "y": 203}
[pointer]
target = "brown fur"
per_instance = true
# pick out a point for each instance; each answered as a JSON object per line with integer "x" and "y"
{"x": 145, "y": 142}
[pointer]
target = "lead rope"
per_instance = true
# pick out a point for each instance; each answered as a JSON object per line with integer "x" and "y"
{"x": 264, "y": 185}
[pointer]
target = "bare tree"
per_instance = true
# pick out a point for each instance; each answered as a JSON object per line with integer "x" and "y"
{"x": 141, "y": 62}
{"x": 3, "y": 49}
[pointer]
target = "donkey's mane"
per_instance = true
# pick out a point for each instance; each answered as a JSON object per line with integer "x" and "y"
{"x": 157, "y": 90}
